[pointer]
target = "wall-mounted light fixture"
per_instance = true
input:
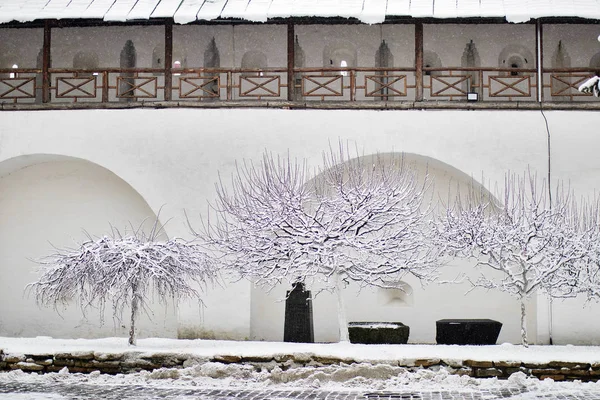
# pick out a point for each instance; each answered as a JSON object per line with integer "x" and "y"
{"x": 472, "y": 96}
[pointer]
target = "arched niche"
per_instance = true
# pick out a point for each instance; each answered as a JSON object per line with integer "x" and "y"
{"x": 595, "y": 63}
{"x": 409, "y": 302}
{"x": 179, "y": 58}
{"x": 254, "y": 60}
{"x": 127, "y": 59}
{"x": 560, "y": 59}
{"x": 340, "y": 54}
{"x": 471, "y": 59}
{"x": 86, "y": 60}
{"x": 431, "y": 60}
{"x": 48, "y": 201}
{"x": 212, "y": 59}
{"x": 514, "y": 57}
{"x": 158, "y": 57}
{"x": 403, "y": 296}
{"x": 299, "y": 62}
{"x": 383, "y": 59}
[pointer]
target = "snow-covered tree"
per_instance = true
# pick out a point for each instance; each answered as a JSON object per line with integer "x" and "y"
{"x": 360, "y": 219}
{"x": 122, "y": 270}
{"x": 525, "y": 244}
{"x": 584, "y": 276}
{"x": 591, "y": 85}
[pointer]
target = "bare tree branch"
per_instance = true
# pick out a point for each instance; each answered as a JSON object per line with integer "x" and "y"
{"x": 532, "y": 244}
{"x": 361, "y": 219}
{"x": 122, "y": 270}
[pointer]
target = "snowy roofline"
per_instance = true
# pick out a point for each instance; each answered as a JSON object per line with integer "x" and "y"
{"x": 366, "y": 11}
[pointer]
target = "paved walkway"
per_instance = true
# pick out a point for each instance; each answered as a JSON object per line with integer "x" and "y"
{"x": 35, "y": 391}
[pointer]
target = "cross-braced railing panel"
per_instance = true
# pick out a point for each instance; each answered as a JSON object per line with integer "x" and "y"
{"x": 105, "y": 85}
{"x": 76, "y": 87}
{"x": 385, "y": 85}
{"x": 260, "y": 86}
{"x": 323, "y": 86}
{"x": 135, "y": 87}
{"x": 509, "y": 86}
{"x": 20, "y": 86}
{"x": 356, "y": 84}
{"x": 562, "y": 85}
{"x": 257, "y": 84}
{"x": 451, "y": 86}
{"x": 202, "y": 87}
{"x": 490, "y": 84}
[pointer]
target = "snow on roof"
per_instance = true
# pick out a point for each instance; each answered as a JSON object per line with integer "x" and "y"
{"x": 367, "y": 11}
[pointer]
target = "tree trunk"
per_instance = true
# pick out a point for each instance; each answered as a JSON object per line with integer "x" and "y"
{"x": 342, "y": 319}
{"x": 523, "y": 324}
{"x": 134, "y": 307}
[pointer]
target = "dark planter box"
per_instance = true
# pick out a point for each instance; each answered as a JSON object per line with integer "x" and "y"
{"x": 467, "y": 331}
{"x": 378, "y": 332}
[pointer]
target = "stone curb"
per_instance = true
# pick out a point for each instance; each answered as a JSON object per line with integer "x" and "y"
{"x": 115, "y": 363}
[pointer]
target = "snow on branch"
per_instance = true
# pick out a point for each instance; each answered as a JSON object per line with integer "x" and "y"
{"x": 530, "y": 243}
{"x": 123, "y": 270}
{"x": 592, "y": 85}
{"x": 360, "y": 219}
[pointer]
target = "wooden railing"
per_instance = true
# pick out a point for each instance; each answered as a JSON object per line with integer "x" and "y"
{"x": 114, "y": 85}
{"x": 491, "y": 84}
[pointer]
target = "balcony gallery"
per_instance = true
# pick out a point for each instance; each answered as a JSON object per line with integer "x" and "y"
{"x": 299, "y": 63}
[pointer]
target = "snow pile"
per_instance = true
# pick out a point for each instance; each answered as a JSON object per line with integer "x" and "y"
{"x": 398, "y": 354}
{"x": 375, "y": 367}
{"x": 363, "y": 376}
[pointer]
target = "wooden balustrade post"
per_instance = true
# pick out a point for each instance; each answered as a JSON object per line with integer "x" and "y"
{"x": 46, "y": 60}
{"x": 419, "y": 61}
{"x": 352, "y": 77}
{"x": 539, "y": 61}
{"x": 290, "y": 61}
{"x": 168, "y": 60}
{"x": 105, "y": 77}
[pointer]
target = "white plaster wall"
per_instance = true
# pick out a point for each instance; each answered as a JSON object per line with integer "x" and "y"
{"x": 364, "y": 38}
{"x": 579, "y": 41}
{"x": 171, "y": 157}
{"x": 190, "y": 41}
{"x": 232, "y": 42}
{"x": 49, "y": 204}
{"x": 107, "y": 43}
{"x": 428, "y": 304}
{"x": 449, "y": 40}
{"x": 422, "y": 307}
{"x": 12, "y": 50}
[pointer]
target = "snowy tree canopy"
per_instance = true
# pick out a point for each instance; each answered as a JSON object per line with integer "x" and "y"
{"x": 591, "y": 86}
{"x": 529, "y": 241}
{"x": 359, "y": 219}
{"x": 123, "y": 270}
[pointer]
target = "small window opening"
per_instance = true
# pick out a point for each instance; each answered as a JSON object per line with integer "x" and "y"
{"x": 177, "y": 65}
{"x": 427, "y": 72}
{"x": 14, "y": 74}
{"x": 514, "y": 66}
{"x": 344, "y": 64}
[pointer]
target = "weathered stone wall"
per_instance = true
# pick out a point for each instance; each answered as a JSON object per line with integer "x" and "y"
{"x": 114, "y": 363}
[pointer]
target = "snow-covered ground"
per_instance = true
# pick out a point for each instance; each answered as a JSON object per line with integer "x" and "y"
{"x": 376, "y": 366}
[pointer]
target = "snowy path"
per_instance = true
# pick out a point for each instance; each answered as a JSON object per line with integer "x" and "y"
{"x": 18, "y": 391}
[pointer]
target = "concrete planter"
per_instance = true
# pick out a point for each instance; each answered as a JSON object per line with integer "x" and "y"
{"x": 378, "y": 332}
{"x": 467, "y": 331}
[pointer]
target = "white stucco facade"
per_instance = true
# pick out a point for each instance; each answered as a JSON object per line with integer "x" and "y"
{"x": 65, "y": 171}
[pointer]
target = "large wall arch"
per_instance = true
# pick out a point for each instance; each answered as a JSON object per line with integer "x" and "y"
{"x": 424, "y": 306}
{"x": 49, "y": 200}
